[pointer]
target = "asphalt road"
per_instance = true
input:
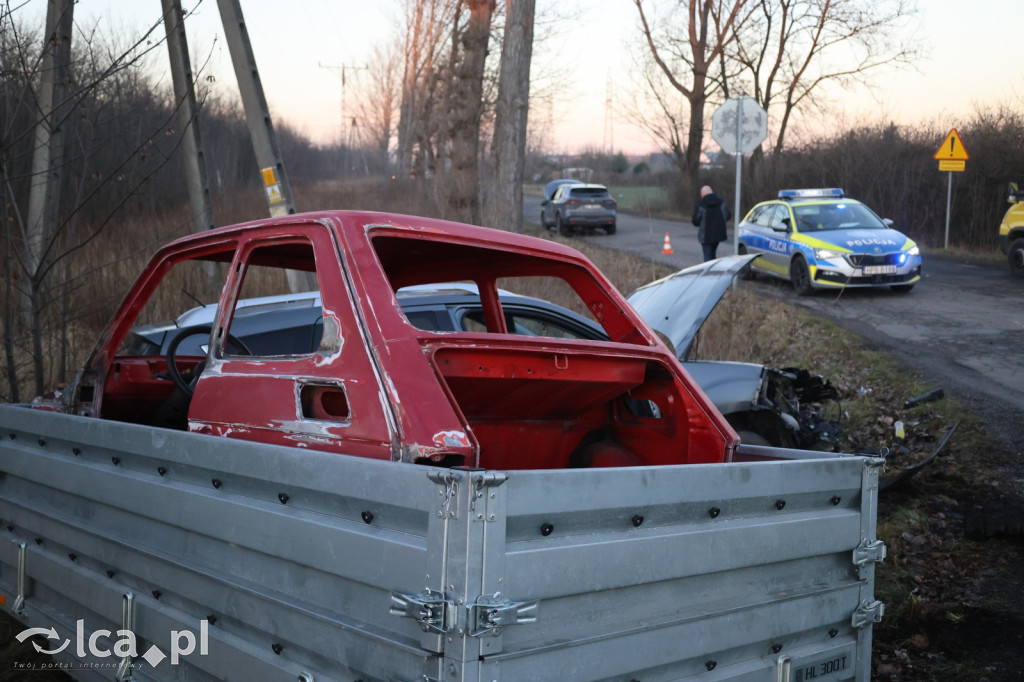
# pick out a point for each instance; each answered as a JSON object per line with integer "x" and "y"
{"x": 961, "y": 328}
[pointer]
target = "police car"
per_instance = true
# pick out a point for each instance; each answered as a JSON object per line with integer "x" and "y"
{"x": 819, "y": 239}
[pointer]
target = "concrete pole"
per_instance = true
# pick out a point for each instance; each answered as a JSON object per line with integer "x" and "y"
{"x": 48, "y": 155}
{"x": 42, "y": 226}
{"x": 257, "y": 114}
{"x": 188, "y": 116}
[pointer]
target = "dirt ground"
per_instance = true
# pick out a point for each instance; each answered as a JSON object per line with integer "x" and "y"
{"x": 963, "y": 618}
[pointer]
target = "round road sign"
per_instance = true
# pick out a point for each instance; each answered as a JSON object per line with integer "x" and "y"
{"x": 752, "y": 129}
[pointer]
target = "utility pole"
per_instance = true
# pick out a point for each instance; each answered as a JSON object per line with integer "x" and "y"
{"x": 48, "y": 157}
{"x": 257, "y": 114}
{"x": 261, "y": 127}
{"x": 188, "y": 116}
{"x": 47, "y": 171}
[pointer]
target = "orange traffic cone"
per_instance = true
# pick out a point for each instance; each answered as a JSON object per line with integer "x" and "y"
{"x": 667, "y": 249}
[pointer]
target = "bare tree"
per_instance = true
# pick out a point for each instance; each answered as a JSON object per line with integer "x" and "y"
{"x": 686, "y": 42}
{"x": 379, "y": 99}
{"x": 783, "y": 52}
{"x": 790, "y": 49}
{"x": 422, "y": 45}
{"x": 511, "y": 114}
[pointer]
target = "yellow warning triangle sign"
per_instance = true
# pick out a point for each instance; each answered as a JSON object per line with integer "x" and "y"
{"x": 952, "y": 148}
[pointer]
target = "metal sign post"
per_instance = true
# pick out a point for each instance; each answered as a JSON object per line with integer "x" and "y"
{"x": 952, "y": 156}
{"x": 739, "y": 126}
{"x": 739, "y": 179}
{"x": 949, "y": 203}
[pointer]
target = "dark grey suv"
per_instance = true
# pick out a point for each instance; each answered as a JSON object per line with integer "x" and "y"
{"x": 579, "y": 207}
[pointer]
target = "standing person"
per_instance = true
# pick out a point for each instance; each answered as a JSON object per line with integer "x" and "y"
{"x": 710, "y": 217}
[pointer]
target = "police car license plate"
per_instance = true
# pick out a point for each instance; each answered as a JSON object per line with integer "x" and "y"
{"x": 879, "y": 269}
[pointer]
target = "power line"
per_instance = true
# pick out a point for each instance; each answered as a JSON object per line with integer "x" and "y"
{"x": 609, "y": 116}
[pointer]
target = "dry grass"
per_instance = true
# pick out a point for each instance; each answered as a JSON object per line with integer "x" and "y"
{"x": 991, "y": 256}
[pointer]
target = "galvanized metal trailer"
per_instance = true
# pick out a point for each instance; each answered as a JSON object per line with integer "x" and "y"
{"x": 283, "y": 563}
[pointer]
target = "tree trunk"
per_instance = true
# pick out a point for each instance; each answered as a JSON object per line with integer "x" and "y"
{"x": 506, "y": 204}
{"x": 695, "y": 137}
{"x": 464, "y": 111}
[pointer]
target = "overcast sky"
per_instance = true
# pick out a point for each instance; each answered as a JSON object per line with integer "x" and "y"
{"x": 974, "y": 59}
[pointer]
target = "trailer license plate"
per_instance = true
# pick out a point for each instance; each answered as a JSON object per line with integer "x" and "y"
{"x": 819, "y": 671}
{"x": 879, "y": 269}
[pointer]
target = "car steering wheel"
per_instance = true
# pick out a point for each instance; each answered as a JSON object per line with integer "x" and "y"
{"x": 188, "y": 385}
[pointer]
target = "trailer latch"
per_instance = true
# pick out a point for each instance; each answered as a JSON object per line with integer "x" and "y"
{"x": 431, "y": 610}
{"x": 869, "y": 552}
{"x": 489, "y": 614}
{"x": 868, "y": 613}
{"x": 19, "y": 602}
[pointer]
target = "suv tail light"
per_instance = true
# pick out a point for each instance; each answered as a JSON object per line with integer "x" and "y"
{"x": 572, "y": 202}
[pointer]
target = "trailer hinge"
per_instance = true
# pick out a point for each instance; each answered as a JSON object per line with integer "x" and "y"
{"x": 488, "y": 479}
{"x": 868, "y": 613}
{"x": 431, "y": 610}
{"x": 449, "y": 508}
{"x": 489, "y": 614}
{"x": 869, "y": 552}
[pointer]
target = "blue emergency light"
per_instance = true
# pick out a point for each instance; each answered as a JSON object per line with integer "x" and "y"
{"x": 823, "y": 193}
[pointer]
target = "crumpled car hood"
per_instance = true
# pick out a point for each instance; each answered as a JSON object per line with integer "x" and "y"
{"x": 678, "y": 305}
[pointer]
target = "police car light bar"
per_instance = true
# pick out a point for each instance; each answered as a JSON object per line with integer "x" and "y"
{"x": 825, "y": 193}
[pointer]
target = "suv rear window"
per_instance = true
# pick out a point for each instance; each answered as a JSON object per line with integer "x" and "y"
{"x": 588, "y": 192}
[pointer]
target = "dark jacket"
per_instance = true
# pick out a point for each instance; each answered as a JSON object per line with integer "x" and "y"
{"x": 710, "y": 217}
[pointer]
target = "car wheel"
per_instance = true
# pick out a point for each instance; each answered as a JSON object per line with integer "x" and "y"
{"x": 543, "y": 223}
{"x": 902, "y": 288}
{"x": 800, "y": 276}
{"x": 609, "y": 229}
{"x": 747, "y": 272}
{"x": 562, "y": 228}
{"x": 1015, "y": 257}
